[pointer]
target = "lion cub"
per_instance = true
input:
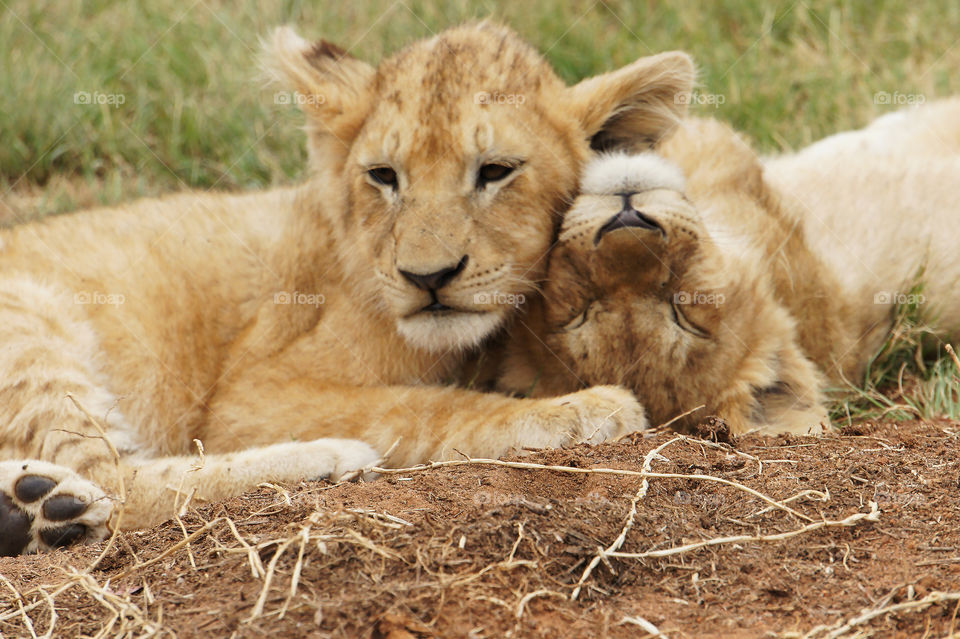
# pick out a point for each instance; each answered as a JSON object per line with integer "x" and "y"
{"x": 686, "y": 277}
{"x": 301, "y": 332}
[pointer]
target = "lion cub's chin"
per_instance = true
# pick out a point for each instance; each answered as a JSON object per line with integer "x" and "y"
{"x": 442, "y": 332}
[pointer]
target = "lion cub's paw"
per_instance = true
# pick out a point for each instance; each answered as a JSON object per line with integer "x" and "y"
{"x": 595, "y": 414}
{"x": 330, "y": 458}
{"x": 44, "y": 506}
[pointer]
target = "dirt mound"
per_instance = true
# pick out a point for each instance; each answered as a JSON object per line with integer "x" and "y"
{"x": 787, "y": 536}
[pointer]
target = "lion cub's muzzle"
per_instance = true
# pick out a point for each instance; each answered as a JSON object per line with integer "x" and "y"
{"x": 628, "y": 217}
{"x": 433, "y": 282}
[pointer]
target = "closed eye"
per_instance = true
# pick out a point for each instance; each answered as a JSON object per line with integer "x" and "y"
{"x": 681, "y": 320}
{"x": 578, "y": 320}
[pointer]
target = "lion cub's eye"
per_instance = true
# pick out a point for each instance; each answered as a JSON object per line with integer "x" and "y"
{"x": 493, "y": 173}
{"x": 579, "y": 320}
{"x": 384, "y": 175}
{"x": 680, "y": 319}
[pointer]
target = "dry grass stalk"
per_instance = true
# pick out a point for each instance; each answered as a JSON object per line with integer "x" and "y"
{"x": 533, "y": 595}
{"x": 953, "y": 356}
{"x": 27, "y": 622}
{"x": 297, "y": 570}
{"x": 852, "y": 520}
{"x": 268, "y": 579}
{"x": 845, "y": 628}
{"x": 816, "y": 495}
{"x": 591, "y": 471}
{"x": 631, "y": 517}
{"x": 648, "y": 627}
{"x": 172, "y": 549}
{"x": 115, "y": 524}
{"x": 256, "y": 564}
{"x": 133, "y": 620}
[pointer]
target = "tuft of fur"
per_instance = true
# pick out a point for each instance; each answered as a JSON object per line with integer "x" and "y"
{"x": 622, "y": 172}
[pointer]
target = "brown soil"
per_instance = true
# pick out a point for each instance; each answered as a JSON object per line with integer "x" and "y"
{"x": 492, "y": 551}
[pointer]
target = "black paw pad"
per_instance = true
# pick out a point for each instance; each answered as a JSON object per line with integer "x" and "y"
{"x": 63, "y": 535}
{"x": 14, "y": 527}
{"x": 63, "y": 507}
{"x": 30, "y": 488}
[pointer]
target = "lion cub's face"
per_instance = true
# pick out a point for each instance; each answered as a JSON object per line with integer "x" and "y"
{"x": 616, "y": 299}
{"x": 456, "y": 184}
{"x": 639, "y": 293}
{"x": 457, "y": 155}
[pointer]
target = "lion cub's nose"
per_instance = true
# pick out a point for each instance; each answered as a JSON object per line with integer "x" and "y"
{"x": 436, "y": 280}
{"x": 626, "y": 218}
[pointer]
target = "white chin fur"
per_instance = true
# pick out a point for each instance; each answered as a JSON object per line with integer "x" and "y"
{"x": 618, "y": 172}
{"x": 441, "y": 333}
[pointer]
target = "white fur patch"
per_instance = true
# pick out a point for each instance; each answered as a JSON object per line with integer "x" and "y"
{"x": 619, "y": 172}
{"x": 441, "y": 333}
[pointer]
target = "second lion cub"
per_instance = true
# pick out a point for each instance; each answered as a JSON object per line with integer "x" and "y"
{"x": 700, "y": 276}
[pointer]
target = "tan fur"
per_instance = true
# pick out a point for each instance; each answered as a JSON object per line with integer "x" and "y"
{"x": 769, "y": 283}
{"x": 879, "y": 206}
{"x": 282, "y": 318}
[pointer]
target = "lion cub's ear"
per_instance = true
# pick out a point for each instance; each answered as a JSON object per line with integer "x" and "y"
{"x": 332, "y": 87}
{"x": 635, "y": 106}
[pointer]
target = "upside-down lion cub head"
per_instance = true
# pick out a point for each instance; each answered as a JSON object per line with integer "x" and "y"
{"x": 640, "y": 293}
{"x": 457, "y": 155}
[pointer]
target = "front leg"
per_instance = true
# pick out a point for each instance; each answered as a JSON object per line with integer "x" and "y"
{"x": 45, "y": 506}
{"x": 268, "y": 405}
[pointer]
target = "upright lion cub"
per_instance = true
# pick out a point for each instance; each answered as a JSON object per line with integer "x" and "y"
{"x": 266, "y": 324}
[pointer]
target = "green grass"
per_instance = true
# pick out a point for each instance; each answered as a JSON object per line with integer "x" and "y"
{"x": 196, "y": 114}
{"x": 911, "y": 376}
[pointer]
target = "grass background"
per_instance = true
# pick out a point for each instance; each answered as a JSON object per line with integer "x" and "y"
{"x": 196, "y": 114}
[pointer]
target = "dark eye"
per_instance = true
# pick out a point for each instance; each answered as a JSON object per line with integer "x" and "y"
{"x": 383, "y": 175}
{"x": 493, "y": 173}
